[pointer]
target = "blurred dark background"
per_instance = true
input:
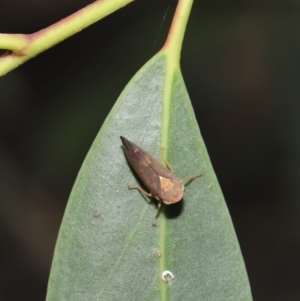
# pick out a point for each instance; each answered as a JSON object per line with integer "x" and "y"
{"x": 241, "y": 64}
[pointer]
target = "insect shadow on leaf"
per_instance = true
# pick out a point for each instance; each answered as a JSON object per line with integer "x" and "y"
{"x": 174, "y": 211}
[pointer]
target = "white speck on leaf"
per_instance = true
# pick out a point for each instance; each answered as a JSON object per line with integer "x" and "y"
{"x": 167, "y": 276}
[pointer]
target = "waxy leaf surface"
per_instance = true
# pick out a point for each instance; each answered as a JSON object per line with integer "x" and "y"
{"x": 107, "y": 248}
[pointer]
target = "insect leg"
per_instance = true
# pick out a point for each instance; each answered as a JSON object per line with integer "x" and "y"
{"x": 189, "y": 179}
{"x": 168, "y": 164}
{"x": 141, "y": 190}
{"x": 156, "y": 215}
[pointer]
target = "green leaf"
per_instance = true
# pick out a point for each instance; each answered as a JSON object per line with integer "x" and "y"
{"x": 107, "y": 248}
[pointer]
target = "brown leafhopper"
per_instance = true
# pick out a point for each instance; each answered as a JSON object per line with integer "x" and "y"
{"x": 163, "y": 185}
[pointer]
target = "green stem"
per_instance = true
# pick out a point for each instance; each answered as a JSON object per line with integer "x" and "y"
{"x": 23, "y": 47}
{"x": 172, "y": 50}
{"x": 175, "y": 37}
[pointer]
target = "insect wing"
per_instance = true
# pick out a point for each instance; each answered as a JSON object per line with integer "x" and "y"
{"x": 146, "y": 166}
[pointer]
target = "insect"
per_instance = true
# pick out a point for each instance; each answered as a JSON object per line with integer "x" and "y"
{"x": 163, "y": 185}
